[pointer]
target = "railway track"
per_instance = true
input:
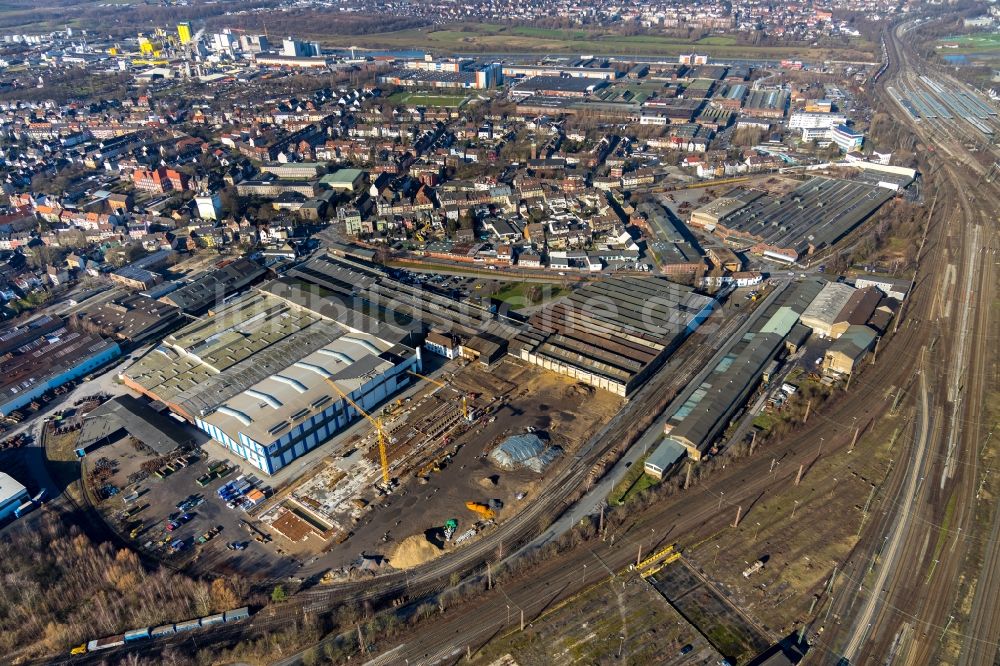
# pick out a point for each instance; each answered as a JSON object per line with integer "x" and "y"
{"x": 432, "y": 578}
{"x": 685, "y": 518}
{"x": 692, "y": 514}
{"x": 912, "y": 611}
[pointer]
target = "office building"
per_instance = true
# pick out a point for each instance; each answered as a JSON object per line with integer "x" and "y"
{"x": 815, "y": 120}
{"x": 846, "y": 138}
{"x": 184, "y": 32}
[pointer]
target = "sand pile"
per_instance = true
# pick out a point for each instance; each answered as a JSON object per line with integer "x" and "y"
{"x": 413, "y": 551}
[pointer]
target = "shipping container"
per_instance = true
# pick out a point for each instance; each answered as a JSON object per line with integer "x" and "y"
{"x": 136, "y": 635}
{"x": 163, "y": 630}
{"x": 255, "y": 497}
{"x": 188, "y": 625}
{"x": 238, "y": 614}
{"x": 212, "y": 620}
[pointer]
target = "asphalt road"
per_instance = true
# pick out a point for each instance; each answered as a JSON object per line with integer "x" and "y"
{"x": 522, "y": 527}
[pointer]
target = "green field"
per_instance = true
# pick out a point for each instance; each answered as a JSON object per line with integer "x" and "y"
{"x": 429, "y": 99}
{"x": 495, "y": 38}
{"x": 983, "y": 42}
{"x": 522, "y": 294}
{"x": 633, "y": 482}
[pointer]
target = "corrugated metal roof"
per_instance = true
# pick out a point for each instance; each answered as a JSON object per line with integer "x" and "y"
{"x": 666, "y": 454}
{"x": 781, "y": 322}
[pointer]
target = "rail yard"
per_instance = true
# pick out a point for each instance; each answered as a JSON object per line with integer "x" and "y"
{"x": 584, "y": 359}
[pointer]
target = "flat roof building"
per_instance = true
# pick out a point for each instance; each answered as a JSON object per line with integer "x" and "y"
{"x": 211, "y": 287}
{"x": 663, "y": 457}
{"x": 709, "y": 215}
{"x": 613, "y": 334}
{"x": 133, "y": 317}
{"x": 345, "y": 180}
{"x": 126, "y": 413}
{"x": 48, "y": 361}
{"x": 817, "y": 214}
{"x": 261, "y": 376}
{"x": 12, "y": 495}
{"x": 559, "y": 86}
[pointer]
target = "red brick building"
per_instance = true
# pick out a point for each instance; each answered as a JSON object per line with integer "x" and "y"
{"x": 159, "y": 180}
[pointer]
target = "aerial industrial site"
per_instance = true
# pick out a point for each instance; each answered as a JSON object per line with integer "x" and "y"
{"x": 499, "y": 334}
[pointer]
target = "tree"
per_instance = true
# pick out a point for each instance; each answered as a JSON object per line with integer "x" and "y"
{"x": 278, "y": 594}
{"x": 223, "y": 596}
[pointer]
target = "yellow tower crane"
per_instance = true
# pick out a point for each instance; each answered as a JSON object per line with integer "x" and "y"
{"x": 427, "y": 379}
{"x": 465, "y": 401}
{"x": 383, "y": 454}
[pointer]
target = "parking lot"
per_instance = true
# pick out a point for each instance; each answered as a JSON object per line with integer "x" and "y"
{"x": 455, "y": 286}
{"x": 328, "y": 510}
{"x": 202, "y": 525}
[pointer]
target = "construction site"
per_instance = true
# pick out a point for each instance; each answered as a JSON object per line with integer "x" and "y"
{"x": 465, "y": 452}
{"x": 365, "y": 448}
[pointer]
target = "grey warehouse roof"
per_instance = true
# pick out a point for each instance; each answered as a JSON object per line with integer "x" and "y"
{"x": 125, "y": 412}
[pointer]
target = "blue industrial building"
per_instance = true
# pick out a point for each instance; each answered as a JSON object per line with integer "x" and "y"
{"x": 43, "y": 355}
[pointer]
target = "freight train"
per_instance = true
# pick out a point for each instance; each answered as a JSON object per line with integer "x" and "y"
{"x": 149, "y": 633}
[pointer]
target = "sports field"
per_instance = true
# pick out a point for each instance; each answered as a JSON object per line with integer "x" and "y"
{"x": 982, "y": 42}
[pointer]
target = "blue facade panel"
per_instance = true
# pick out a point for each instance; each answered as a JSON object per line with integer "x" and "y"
{"x": 85, "y": 365}
{"x": 319, "y": 428}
